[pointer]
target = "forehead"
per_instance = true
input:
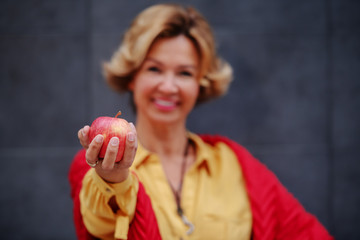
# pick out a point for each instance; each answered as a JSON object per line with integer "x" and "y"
{"x": 179, "y": 48}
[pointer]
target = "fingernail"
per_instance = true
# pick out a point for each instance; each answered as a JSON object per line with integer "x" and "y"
{"x": 131, "y": 137}
{"x": 85, "y": 130}
{"x": 114, "y": 141}
{"x": 99, "y": 138}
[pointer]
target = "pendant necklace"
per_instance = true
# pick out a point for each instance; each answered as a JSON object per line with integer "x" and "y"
{"x": 177, "y": 192}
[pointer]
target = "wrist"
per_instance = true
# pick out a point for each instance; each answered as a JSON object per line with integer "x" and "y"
{"x": 118, "y": 177}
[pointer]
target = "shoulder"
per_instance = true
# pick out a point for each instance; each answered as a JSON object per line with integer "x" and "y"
{"x": 243, "y": 155}
{"x": 213, "y": 140}
{"x": 255, "y": 172}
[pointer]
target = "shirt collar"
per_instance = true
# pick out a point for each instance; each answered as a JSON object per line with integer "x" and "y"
{"x": 203, "y": 154}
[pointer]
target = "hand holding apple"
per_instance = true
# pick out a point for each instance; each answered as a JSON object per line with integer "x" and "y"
{"x": 110, "y": 127}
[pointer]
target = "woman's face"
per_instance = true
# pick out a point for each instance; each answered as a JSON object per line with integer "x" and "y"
{"x": 166, "y": 86}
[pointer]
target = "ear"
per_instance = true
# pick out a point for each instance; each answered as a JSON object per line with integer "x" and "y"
{"x": 131, "y": 85}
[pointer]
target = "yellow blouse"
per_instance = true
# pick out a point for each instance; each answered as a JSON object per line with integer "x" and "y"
{"x": 214, "y": 197}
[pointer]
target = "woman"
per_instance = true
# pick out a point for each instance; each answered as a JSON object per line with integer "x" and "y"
{"x": 171, "y": 183}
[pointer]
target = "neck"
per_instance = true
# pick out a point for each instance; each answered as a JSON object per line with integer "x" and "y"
{"x": 163, "y": 139}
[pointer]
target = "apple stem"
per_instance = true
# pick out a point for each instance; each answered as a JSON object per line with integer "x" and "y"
{"x": 118, "y": 114}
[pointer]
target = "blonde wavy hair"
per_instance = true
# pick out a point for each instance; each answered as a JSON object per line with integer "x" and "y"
{"x": 162, "y": 21}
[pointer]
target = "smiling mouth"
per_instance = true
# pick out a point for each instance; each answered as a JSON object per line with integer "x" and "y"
{"x": 165, "y": 105}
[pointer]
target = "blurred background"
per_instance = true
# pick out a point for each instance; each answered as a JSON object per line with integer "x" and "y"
{"x": 294, "y": 102}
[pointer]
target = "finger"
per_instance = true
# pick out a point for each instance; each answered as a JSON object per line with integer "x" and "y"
{"x": 85, "y": 131}
{"x": 131, "y": 146}
{"x": 94, "y": 148}
{"x": 133, "y": 129}
{"x": 83, "y": 135}
{"x": 110, "y": 155}
{"x": 135, "y": 136}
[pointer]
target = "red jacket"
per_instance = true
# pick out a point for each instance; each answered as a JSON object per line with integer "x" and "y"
{"x": 276, "y": 213}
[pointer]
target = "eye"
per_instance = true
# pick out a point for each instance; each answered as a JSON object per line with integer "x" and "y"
{"x": 153, "y": 69}
{"x": 186, "y": 74}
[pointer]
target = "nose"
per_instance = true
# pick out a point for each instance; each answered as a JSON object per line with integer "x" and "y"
{"x": 168, "y": 84}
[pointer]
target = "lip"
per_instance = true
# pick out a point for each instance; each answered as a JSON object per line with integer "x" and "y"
{"x": 165, "y": 104}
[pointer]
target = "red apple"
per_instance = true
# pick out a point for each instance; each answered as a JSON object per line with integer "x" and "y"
{"x": 110, "y": 127}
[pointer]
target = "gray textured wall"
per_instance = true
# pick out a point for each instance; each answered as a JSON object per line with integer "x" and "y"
{"x": 294, "y": 102}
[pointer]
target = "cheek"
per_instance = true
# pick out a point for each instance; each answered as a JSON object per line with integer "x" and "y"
{"x": 140, "y": 85}
{"x": 138, "y": 90}
{"x": 193, "y": 92}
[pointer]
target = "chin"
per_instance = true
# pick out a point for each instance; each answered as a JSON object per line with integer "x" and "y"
{"x": 166, "y": 117}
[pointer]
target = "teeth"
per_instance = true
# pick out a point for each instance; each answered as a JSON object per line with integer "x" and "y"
{"x": 165, "y": 103}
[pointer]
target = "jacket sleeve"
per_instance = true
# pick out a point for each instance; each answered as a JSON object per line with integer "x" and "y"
{"x": 294, "y": 222}
{"x": 100, "y": 219}
{"x": 143, "y": 224}
{"x": 277, "y": 214}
